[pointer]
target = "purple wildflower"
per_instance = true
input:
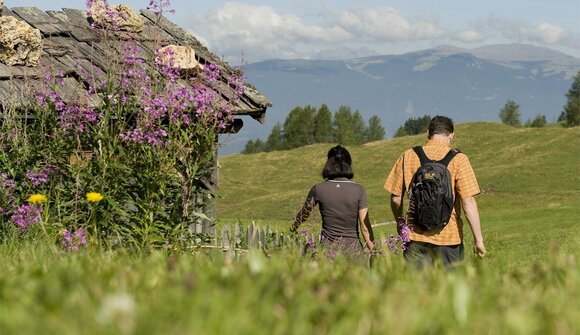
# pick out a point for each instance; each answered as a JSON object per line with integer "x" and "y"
{"x": 311, "y": 244}
{"x": 331, "y": 254}
{"x": 399, "y": 243}
{"x": 6, "y": 181}
{"x": 26, "y": 215}
{"x": 37, "y": 178}
{"x": 72, "y": 241}
{"x": 212, "y": 72}
{"x": 158, "y": 7}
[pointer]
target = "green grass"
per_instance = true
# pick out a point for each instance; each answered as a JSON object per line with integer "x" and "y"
{"x": 528, "y": 176}
{"x": 528, "y": 284}
{"x": 114, "y": 292}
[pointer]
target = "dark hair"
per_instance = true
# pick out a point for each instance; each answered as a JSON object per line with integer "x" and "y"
{"x": 338, "y": 164}
{"x": 440, "y": 125}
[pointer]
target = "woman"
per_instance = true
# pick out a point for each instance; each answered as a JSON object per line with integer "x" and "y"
{"x": 343, "y": 206}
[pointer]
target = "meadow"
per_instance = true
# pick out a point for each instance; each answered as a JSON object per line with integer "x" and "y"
{"x": 528, "y": 284}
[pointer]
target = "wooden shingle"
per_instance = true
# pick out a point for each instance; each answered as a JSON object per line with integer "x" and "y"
{"x": 82, "y": 53}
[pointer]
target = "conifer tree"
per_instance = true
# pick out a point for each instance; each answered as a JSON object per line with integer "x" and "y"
{"x": 342, "y": 125}
{"x": 571, "y": 113}
{"x": 538, "y": 122}
{"x": 299, "y": 127}
{"x": 376, "y": 131}
{"x": 414, "y": 126}
{"x": 253, "y": 147}
{"x": 323, "y": 125}
{"x": 510, "y": 114}
{"x": 359, "y": 128}
{"x": 250, "y": 148}
{"x": 275, "y": 140}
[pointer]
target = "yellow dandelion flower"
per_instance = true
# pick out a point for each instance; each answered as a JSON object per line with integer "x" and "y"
{"x": 37, "y": 198}
{"x": 94, "y": 197}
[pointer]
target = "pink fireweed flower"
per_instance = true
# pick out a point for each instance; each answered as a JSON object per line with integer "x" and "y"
{"x": 26, "y": 215}
{"x": 73, "y": 241}
{"x": 212, "y": 72}
{"x": 6, "y": 181}
{"x": 37, "y": 178}
{"x": 399, "y": 243}
{"x": 157, "y": 6}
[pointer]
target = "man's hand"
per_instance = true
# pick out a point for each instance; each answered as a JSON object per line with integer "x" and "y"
{"x": 479, "y": 249}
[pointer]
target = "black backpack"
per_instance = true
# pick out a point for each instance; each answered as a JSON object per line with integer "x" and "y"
{"x": 431, "y": 195}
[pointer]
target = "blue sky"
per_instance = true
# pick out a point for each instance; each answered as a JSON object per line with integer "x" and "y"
{"x": 253, "y": 30}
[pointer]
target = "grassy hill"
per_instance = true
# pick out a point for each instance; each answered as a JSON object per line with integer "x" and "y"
{"x": 529, "y": 208}
{"x": 529, "y": 178}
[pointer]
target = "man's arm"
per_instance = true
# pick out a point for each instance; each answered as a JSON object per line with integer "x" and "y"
{"x": 397, "y": 209}
{"x": 397, "y": 205}
{"x": 472, "y": 214}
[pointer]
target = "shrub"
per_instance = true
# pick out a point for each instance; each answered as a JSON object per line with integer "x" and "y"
{"x": 147, "y": 147}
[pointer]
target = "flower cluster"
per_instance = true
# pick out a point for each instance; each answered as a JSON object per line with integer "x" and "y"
{"x": 399, "y": 243}
{"x": 161, "y": 96}
{"x": 237, "y": 81}
{"x": 71, "y": 241}
{"x": 72, "y": 117}
{"x": 26, "y": 215}
{"x": 108, "y": 21}
{"x": 37, "y": 178}
{"x": 7, "y": 189}
{"x": 310, "y": 244}
{"x": 159, "y": 7}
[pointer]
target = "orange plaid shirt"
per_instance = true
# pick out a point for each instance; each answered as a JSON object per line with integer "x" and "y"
{"x": 463, "y": 182}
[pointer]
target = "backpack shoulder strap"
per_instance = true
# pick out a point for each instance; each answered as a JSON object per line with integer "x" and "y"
{"x": 421, "y": 153}
{"x": 452, "y": 153}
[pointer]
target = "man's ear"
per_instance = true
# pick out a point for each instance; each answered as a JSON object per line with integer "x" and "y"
{"x": 451, "y": 136}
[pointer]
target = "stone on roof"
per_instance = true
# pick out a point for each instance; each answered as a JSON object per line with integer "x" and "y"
{"x": 72, "y": 47}
{"x": 20, "y": 44}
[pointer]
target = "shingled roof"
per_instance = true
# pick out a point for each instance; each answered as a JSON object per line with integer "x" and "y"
{"x": 71, "y": 45}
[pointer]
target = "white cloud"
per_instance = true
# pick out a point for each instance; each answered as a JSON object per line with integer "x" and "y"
{"x": 550, "y": 34}
{"x": 260, "y": 30}
{"x": 522, "y": 31}
{"x": 255, "y": 32}
{"x": 385, "y": 24}
{"x": 470, "y": 36}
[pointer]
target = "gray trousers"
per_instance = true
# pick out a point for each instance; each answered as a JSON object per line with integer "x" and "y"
{"x": 421, "y": 254}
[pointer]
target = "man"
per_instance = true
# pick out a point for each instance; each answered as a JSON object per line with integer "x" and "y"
{"x": 446, "y": 243}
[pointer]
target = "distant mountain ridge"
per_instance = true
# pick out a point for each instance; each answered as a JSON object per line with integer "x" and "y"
{"x": 465, "y": 84}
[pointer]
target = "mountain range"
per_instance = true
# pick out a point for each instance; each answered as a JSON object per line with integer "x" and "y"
{"x": 464, "y": 84}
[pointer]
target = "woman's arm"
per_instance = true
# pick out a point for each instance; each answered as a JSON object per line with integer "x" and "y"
{"x": 365, "y": 228}
{"x": 302, "y": 214}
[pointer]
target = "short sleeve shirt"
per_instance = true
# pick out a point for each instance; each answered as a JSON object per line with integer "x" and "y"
{"x": 339, "y": 201}
{"x": 463, "y": 183}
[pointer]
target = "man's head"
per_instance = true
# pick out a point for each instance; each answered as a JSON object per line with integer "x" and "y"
{"x": 441, "y": 125}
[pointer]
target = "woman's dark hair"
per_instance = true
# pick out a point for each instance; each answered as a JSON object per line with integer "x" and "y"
{"x": 338, "y": 164}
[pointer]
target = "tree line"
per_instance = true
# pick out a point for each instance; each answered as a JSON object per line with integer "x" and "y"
{"x": 510, "y": 114}
{"x": 569, "y": 117}
{"x": 308, "y": 125}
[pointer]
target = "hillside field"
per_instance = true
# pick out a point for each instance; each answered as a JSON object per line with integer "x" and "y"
{"x": 529, "y": 179}
{"x": 528, "y": 284}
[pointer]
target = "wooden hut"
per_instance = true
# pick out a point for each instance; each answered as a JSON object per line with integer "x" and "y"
{"x": 71, "y": 46}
